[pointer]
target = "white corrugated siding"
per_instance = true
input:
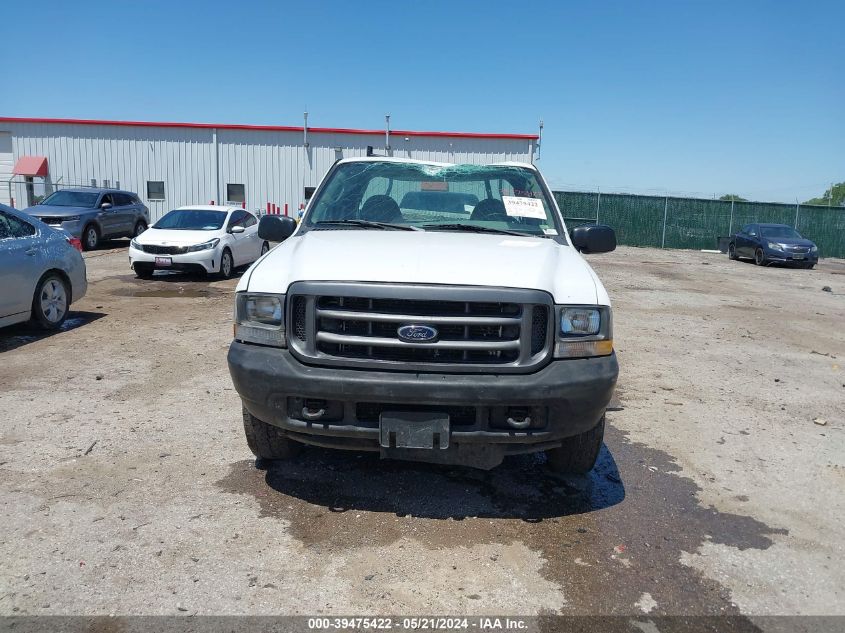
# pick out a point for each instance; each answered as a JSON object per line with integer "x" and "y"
{"x": 272, "y": 165}
{"x": 7, "y": 162}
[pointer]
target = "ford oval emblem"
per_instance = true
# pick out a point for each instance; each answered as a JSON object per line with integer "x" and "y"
{"x": 417, "y": 333}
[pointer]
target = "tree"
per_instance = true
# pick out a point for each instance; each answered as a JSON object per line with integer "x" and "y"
{"x": 732, "y": 197}
{"x": 834, "y": 196}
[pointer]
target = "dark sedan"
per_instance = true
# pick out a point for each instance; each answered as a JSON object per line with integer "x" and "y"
{"x": 770, "y": 243}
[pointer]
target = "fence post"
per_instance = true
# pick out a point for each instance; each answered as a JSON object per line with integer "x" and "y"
{"x": 731, "y": 224}
{"x": 598, "y": 206}
{"x": 796, "y": 216}
{"x": 665, "y": 212}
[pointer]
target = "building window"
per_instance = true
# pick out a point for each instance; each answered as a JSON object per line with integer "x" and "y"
{"x": 235, "y": 193}
{"x": 155, "y": 190}
{"x": 309, "y": 191}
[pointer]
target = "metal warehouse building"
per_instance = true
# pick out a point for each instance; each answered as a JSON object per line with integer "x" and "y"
{"x": 174, "y": 164}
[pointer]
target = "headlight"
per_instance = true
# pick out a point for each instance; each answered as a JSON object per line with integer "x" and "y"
{"x": 583, "y": 331}
{"x": 775, "y": 247}
{"x": 259, "y": 318}
{"x": 135, "y": 245}
{"x": 205, "y": 246}
{"x": 70, "y": 218}
{"x": 814, "y": 249}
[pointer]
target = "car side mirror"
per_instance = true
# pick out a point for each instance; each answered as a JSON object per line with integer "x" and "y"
{"x": 105, "y": 205}
{"x": 237, "y": 229}
{"x": 276, "y": 228}
{"x": 593, "y": 238}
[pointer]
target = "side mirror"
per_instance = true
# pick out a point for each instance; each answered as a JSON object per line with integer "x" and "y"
{"x": 105, "y": 205}
{"x": 593, "y": 238}
{"x": 237, "y": 229}
{"x": 276, "y": 228}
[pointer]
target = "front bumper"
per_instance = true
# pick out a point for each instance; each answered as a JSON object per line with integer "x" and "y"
{"x": 788, "y": 257}
{"x": 565, "y": 398}
{"x": 209, "y": 260}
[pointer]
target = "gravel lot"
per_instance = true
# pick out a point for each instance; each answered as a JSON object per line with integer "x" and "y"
{"x": 127, "y": 488}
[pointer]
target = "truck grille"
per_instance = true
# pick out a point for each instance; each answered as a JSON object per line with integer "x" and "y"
{"x": 478, "y": 329}
{"x": 155, "y": 249}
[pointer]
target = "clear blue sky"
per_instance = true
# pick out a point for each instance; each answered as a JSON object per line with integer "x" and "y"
{"x": 715, "y": 97}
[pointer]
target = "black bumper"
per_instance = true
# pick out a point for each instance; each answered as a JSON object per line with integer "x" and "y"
{"x": 565, "y": 398}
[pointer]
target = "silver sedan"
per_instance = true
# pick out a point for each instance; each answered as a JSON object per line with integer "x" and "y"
{"x": 41, "y": 271}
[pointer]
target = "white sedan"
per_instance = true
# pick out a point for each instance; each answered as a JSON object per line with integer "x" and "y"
{"x": 211, "y": 239}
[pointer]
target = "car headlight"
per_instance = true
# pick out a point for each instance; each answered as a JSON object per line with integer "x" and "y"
{"x": 583, "y": 331}
{"x": 774, "y": 246}
{"x": 814, "y": 249}
{"x": 259, "y": 318}
{"x": 205, "y": 246}
{"x": 135, "y": 245}
{"x": 70, "y": 218}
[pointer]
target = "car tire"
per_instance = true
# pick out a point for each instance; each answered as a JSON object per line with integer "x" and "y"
{"x": 266, "y": 441}
{"x": 90, "y": 237}
{"x": 142, "y": 272}
{"x": 227, "y": 264}
{"x": 760, "y": 257}
{"x": 732, "y": 251}
{"x": 809, "y": 266}
{"x": 140, "y": 227}
{"x": 577, "y": 454}
{"x": 51, "y": 302}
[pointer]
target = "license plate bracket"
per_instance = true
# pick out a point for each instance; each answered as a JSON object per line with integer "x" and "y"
{"x": 797, "y": 256}
{"x": 414, "y": 429}
{"x": 164, "y": 262}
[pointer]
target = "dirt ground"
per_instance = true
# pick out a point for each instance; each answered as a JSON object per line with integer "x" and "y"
{"x": 126, "y": 486}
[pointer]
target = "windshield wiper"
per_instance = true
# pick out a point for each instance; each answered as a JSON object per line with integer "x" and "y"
{"x": 368, "y": 224}
{"x": 475, "y": 228}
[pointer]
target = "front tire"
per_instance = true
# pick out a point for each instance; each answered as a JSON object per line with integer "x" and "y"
{"x": 142, "y": 272}
{"x": 227, "y": 264}
{"x": 51, "y": 302}
{"x": 90, "y": 237}
{"x": 759, "y": 257}
{"x": 732, "y": 251}
{"x": 140, "y": 227}
{"x": 266, "y": 441}
{"x": 578, "y": 454}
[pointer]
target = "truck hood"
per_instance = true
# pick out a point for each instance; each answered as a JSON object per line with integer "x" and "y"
{"x": 430, "y": 257}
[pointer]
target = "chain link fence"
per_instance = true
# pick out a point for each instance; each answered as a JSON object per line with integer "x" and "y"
{"x": 696, "y": 223}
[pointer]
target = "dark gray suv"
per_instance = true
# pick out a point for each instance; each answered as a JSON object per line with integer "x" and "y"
{"x": 93, "y": 214}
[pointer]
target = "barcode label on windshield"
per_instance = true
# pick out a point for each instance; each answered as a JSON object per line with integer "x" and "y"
{"x": 524, "y": 207}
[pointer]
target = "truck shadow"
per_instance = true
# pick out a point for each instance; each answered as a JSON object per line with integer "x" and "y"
{"x": 520, "y": 488}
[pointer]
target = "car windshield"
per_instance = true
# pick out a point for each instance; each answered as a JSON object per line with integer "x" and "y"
{"x": 192, "y": 220}
{"x": 85, "y": 199}
{"x": 494, "y": 199}
{"x": 779, "y": 231}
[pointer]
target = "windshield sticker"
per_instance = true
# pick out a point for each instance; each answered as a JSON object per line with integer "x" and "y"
{"x": 550, "y": 231}
{"x": 524, "y": 207}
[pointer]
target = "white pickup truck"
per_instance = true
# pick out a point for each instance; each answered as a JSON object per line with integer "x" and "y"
{"x": 431, "y": 312}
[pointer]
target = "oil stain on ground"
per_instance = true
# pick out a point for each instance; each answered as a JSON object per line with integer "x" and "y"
{"x": 607, "y": 539}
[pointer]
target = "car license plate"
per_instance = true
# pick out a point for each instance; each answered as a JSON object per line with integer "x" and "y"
{"x": 797, "y": 256}
{"x": 164, "y": 261}
{"x": 414, "y": 429}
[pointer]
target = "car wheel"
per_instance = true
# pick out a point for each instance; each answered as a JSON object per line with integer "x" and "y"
{"x": 578, "y": 454}
{"x": 90, "y": 237}
{"x": 140, "y": 227}
{"x": 264, "y": 248}
{"x": 143, "y": 272}
{"x": 266, "y": 441}
{"x": 809, "y": 266}
{"x": 227, "y": 265}
{"x": 51, "y": 302}
{"x": 731, "y": 251}
{"x": 759, "y": 257}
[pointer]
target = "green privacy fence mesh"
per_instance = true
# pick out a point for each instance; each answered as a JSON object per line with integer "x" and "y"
{"x": 697, "y": 222}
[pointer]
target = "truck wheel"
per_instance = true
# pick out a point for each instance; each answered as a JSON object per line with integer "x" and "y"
{"x": 578, "y": 454}
{"x": 266, "y": 441}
